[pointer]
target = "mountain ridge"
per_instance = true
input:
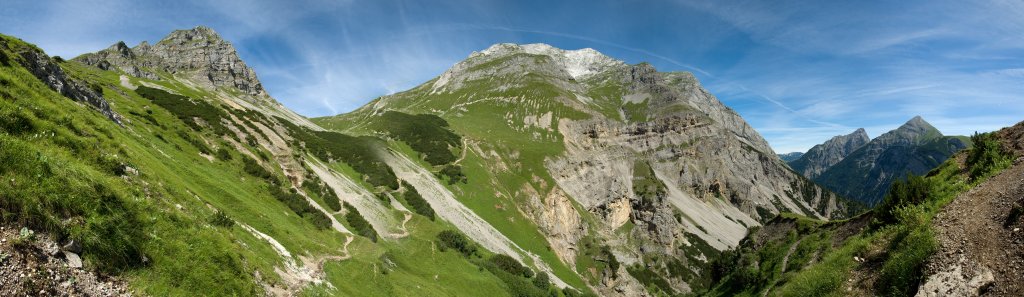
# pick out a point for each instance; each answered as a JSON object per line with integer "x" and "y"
{"x": 914, "y": 147}
{"x": 820, "y": 157}
{"x": 626, "y": 145}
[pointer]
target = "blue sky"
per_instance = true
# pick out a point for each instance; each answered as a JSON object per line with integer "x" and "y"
{"x": 798, "y": 71}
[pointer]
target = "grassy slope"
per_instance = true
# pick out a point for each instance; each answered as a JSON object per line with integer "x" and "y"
{"x": 483, "y": 123}
{"x": 895, "y": 244}
{"x": 173, "y": 198}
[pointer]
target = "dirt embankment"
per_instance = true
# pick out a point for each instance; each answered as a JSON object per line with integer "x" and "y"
{"x": 980, "y": 235}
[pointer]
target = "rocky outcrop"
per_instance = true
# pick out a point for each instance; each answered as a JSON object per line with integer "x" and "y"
{"x": 198, "y": 54}
{"x": 914, "y": 148}
{"x": 49, "y": 72}
{"x": 820, "y": 157}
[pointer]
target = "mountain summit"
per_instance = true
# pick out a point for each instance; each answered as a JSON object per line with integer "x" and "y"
{"x": 820, "y": 157}
{"x": 865, "y": 175}
{"x": 199, "y": 54}
{"x": 591, "y": 149}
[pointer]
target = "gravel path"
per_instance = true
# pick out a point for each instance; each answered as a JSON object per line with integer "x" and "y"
{"x": 978, "y": 254}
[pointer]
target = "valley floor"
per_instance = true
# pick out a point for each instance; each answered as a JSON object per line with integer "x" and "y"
{"x": 981, "y": 246}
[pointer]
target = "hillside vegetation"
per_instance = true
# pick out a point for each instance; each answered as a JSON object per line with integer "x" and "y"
{"x": 882, "y": 252}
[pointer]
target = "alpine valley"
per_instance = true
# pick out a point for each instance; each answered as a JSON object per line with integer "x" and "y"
{"x": 523, "y": 170}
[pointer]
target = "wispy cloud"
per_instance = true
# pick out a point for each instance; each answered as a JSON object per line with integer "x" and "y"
{"x": 798, "y": 71}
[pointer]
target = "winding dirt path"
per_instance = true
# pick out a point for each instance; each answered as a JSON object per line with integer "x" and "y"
{"x": 785, "y": 262}
{"x": 978, "y": 254}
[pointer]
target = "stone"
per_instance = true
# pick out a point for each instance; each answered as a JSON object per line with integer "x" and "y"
{"x": 74, "y": 261}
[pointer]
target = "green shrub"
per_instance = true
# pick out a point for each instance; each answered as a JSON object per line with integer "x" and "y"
{"x": 510, "y": 265}
{"x": 255, "y": 169}
{"x": 454, "y": 174}
{"x": 312, "y": 184}
{"x": 300, "y": 206}
{"x": 449, "y": 239}
{"x": 542, "y": 281}
{"x": 361, "y": 153}
{"x": 914, "y": 190}
{"x": 199, "y": 144}
{"x": 187, "y": 109}
{"x": 359, "y": 224}
{"x": 426, "y": 133}
{"x": 223, "y": 154}
{"x": 219, "y": 218}
{"x": 419, "y": 205}
{"x": 613, "y": 263}
{"x": 986, "y": 156}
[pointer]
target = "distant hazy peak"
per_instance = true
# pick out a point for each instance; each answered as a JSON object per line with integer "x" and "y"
{"x": 578, "y": 63}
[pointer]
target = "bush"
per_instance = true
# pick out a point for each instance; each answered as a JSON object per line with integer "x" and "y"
{"x": 454, "y": 174}
{"x": 449, "y": 239}
{"x": 511, "y": 265}
{"x": 221, "y": 219}
{"x": 361, "y": 153}
{"x": 252, "y": 168}
{"x": 419, "y": 205}
{"x": 359, "y": 224}
{"x": 223, "y": 154}
{"x": 199, "y": 144}
{"x": 986, "y": 156}
{"x": 314, "y": 185}
{"x": 187, "y": 109}
{"x": 914, "y": 190}
{"x": 542, "y": 281}
{"x": 426, "y": 133}
{"x": 300, "y": 206}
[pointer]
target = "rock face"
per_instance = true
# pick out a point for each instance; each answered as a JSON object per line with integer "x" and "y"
{"x": 821, "y": 157}
{"x": 865, "y": 175}
{"x": 200, "y": 59}
{"x": 660, "y": 164}
{"x": 49, "y": 72}
{"x": 199, "y": 54}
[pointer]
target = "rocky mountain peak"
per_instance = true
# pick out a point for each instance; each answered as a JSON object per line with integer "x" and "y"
{"x": 821, "y": 157}
{"x": 577, "y": 63}
{"x": 122, "y": 49}
{"x": 914, "y": 130}
{"x": 917, "y": 125}
{"x": 198, "y": 54}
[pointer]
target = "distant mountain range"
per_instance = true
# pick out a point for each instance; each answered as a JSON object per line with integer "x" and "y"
{"x": 862, "y": 169}
{"x": 789, "y": 157}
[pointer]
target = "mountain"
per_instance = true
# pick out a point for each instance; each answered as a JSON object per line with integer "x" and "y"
{"x": 789, "y": 157}
{"x": 599, "y": 153}
{"x": 944, "y": 234}
{"x": 914, "y": 148}
{"x": 524, "y": 170}
{"x": 823, "y": 156}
